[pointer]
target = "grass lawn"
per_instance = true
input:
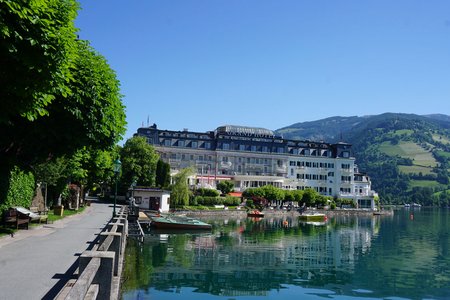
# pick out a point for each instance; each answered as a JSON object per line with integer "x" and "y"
{"x": 440, "y": 138}
{"x": 423, "y": 183}
{"x": 420, "y": 156}
{"x": 404, "y": 131}
{"x": 444, "y": 153}
{"x": 51, "y": 217}
{"x": 415, "y": 169}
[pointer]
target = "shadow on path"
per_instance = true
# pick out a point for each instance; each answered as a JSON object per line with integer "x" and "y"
{"x": 69, "y": 274}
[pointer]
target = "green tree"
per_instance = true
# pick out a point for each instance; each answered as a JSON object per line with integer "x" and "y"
{"x": 289, "y": 195}
{"x": 162, "y": 174}
{"x": 225, "y": 186}
{"x": 91, "y": 115}
{"x": 272, "y": 193}
{"x": 253, "y": 192}
{"x": 309, "y": 197}
{"x": 180, "y": 190}
{"x": 139, "y": 161}
{"x": 37, "y": 50}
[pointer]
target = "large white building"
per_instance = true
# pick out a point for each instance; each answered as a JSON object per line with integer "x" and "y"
{"x": 254, "y": 157}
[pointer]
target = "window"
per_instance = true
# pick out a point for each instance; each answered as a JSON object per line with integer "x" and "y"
{"x": 138, "y": 200}
{"x": 180, "y": 143}
{"x": 194, "y": 144}
{"x": 167, "y": 142}
{"x": 207, "y": 145}
{"x": 264, "y": 149}
{"x": 226, "y": 146}
{"x": 241, "y": 147}
{"x": 345, "y": 166}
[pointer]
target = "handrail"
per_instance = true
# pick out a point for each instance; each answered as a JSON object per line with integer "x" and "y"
{"x": 81, "y": 287}
{"x": 99, "y": 266}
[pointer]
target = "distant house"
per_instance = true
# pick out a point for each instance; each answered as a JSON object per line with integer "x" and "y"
{"x": 151, "y": 198}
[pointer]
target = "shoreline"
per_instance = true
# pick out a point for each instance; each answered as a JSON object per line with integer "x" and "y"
{"x": 328, "y": 213}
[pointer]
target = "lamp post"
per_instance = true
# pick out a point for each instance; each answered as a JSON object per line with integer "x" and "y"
{"x": 116, "y": 168}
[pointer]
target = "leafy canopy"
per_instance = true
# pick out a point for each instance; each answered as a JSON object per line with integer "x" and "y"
{"x": 37, "y": 50}
{"x": 139, "y": 161}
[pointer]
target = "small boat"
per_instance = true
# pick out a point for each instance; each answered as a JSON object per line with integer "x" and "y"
{"x": 407, "y": 205}
{"x": 177, "y": 222}
{"x": 383, "y": 213}
{"x": 313, "y": 217}
{"x": 416, "y": 205}
{"x": 255, "y": 214}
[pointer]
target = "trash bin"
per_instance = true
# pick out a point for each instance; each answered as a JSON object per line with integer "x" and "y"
{"x": 58, "y": 210}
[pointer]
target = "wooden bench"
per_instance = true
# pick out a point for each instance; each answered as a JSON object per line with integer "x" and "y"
{"x": 43, "y": 214}
{"x": 13, "y": 217}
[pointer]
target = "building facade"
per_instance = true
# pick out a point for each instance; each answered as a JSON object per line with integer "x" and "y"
{"x": 254, "y": 157}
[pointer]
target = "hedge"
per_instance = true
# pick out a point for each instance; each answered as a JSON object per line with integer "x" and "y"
{"x": 21, "y": 190}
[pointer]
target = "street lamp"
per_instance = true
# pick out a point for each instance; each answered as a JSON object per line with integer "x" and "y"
{"x": 116, "y": 168}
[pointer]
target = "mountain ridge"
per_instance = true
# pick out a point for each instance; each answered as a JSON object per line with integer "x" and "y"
{"x": 406, "y": 155}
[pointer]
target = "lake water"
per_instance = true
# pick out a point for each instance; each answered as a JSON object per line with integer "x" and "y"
{"x": 404, "y": 256}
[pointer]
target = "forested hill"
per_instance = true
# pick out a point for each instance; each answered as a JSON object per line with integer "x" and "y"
{"x": 406, "y": 155}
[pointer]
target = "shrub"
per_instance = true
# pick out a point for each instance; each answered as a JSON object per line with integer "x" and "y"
{"x": 249, "y": 204}
{"x": 21, "y": 190}
{"x": 193, "y": 201}
{"x": 231, "y": 201}
{"x": 209, "y": 201}
{"x": 207, "y": 192}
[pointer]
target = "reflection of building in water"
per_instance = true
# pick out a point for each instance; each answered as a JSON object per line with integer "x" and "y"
{"x": 250, "y": 265}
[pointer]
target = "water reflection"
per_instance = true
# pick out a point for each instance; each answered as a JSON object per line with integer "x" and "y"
{"x": 255, "y": 257}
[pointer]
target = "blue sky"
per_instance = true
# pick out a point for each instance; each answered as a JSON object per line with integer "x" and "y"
{"x": 199, "y": 64}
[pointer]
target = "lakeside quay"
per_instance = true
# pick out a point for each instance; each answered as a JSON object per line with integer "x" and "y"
{"x": 37, "y": 263}
{"x": 269, "y": 212}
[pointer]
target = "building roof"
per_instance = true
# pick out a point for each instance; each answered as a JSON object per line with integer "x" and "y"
{"x": 244, "y": 130}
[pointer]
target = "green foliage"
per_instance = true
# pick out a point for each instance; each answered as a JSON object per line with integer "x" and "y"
{"x": 21, "y": 190}
{"x": 232, "y": 201}
{"x": 253, "y": 192}
{"x": 180, "y": 190}
{"x": 343, "y": 202}
{"x": 225, "y": 186}
{"x": 139, "y": 161}
{"x": 162, "y": 174}
{"x": 309, "y": 197}
{"x": 273, "y": 193}
{"x": 209, "y": 201}
{"x": 249, "y": 203}
{"x": 52, "y": 82}
{"x": 37, "y": 50}
{"x": 207, "y": 192}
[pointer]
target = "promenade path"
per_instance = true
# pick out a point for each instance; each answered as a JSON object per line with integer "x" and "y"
{"x": 37, "y": 263}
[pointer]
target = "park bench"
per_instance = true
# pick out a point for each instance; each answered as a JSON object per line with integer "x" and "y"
{"x": 40, "y": 215}
{"x": 13, "y": 217}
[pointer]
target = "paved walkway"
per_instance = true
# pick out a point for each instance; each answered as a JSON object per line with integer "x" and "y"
{"x": 36, "y": 263}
